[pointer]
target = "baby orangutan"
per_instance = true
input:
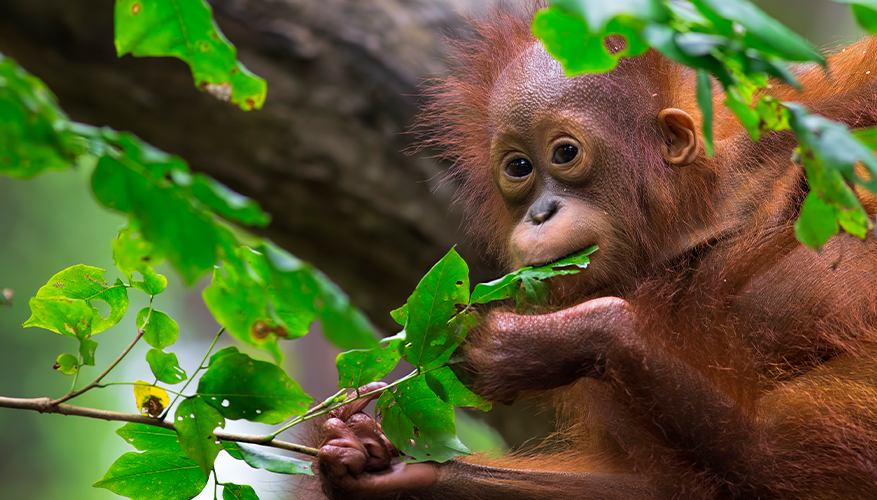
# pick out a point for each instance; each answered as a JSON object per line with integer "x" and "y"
{"x": 705, "y": 353}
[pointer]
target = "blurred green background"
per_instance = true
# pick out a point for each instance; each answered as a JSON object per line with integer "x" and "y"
{"x": 52, "y": 222}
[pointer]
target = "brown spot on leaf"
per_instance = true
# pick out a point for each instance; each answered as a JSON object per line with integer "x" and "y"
{"x": 153, "y": 406}
{"x": 251, "y": 103}
{"x": 145, "y": 258}
{"x": 57, "y": 366}
{"x": 261, "y": 330}
{"x": 234, "y": 71}
{"x": 416, "y": 431}
{"x": 135, "y": 8}
{"x": 58, "y": 284}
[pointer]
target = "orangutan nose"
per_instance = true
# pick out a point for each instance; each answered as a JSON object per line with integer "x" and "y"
{"x": 543, "y": 209}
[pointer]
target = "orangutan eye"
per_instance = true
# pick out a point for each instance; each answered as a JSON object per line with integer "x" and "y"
{"x": 519, "y": 168}
{"x": 564, "y": 154}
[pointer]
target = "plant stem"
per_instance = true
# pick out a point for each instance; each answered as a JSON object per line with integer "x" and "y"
{"x": 311, "y": 413}
{"x": 100, "y": 377}
{"x": 46, "y": 405}
{"x": 192, "y": 377}
{"x": 101, "y": 386}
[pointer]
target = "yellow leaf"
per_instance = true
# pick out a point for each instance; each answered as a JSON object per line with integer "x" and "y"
{"x": 151, "y": 400}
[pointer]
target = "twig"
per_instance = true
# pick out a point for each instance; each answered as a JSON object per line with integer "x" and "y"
{"x": 192, "y": 376}
{"x": 46, "y": 405}
{"x": 106, "y": 372}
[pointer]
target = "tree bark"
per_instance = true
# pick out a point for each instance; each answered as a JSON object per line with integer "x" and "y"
{"x": 325, "y": 154}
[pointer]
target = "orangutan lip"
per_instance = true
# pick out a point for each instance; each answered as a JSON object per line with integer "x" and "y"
{"x": 549, "y": 262}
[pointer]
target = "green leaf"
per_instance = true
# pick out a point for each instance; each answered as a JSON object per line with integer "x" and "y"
{"x": 419, "y": 423}
{"x": 362, "y": 366}
{"x": 67, "y": 364}
{"x": 161, "y": 331}
{"x": 525, "y": 282}
{"x": 87, "y": 347}
{"x": 154, "y": 476}
{"x": 867, "y": 136}
{"x": 400, "y": 315}
{"x": 573, "y": 31}
{"x": 241, "y": 387}
{"x": 33, "y": 132}
{"x": 150, "y": 438}
{"x": 231, "y": 448}
{"x": 762, "y": 31}
{"x": 83, "y": 283}
{"x": 705, "y": 101}
{"x": 225, "y": 351}
{"x": 831, "y": 154}
{"x": 185, "y": 29}
{"x": 195, "y": 421}
{"x": 445, "y": 384}
{"x": 431, "y": 307}
{"x": 227, "y": 203}
{"x": 137, "y": 184}
{"x": 69, "y": 317}
{"x": 165, "y": 366}
{"x": 258, "y": 458}
{"x": 133, "y": 253}
{"x": 231, "y": 491}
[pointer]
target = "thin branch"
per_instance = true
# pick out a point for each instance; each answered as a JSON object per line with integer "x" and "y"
{"x": 106, "y": 372}
{"x": 46, "y": 405}
{"x": 192, "y": 376}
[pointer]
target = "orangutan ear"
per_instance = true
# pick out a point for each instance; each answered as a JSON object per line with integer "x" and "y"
{"x": 681, "y": 144}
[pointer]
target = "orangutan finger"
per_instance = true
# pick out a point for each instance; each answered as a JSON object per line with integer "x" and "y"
{"x": 356, "y": 406}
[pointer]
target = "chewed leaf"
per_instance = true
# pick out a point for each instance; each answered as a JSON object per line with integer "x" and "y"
{"x": 79, "y": 283}
{"x": 521, "y": 284}
{"x": 165, "y": 367}
{"x": 67, "y": 364}
{"x": 185, "y": 29}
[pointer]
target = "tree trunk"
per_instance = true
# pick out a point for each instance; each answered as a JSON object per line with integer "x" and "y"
{"x": 325, "y": 154}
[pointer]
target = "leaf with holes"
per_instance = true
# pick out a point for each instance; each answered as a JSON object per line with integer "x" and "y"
{"x": 431, "y": 307}
{"x": 185, "y": 29}
{"x": 574, "y": 31}
{"x": 165, "y": 367}
{"x": 241, "y": 387}
{"x": 83, "y": 283}
{"x": 150, "y": 438}
{"x": 362, "y": 366}
{"x": 195, "y": 421}
{"x": 419, "y": 423}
